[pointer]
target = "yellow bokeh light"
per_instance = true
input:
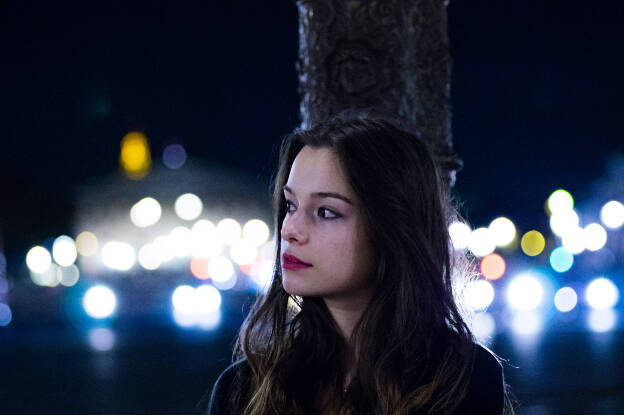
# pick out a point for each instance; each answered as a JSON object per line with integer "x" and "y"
{"x": 532, "y": 243}
{"x": 135, "y": 158}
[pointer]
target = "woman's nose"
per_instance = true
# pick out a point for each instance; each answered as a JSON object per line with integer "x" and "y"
{"x": 293, "y": 230}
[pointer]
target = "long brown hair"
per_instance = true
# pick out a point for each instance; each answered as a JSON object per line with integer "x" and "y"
{"x": 414, "y": 347}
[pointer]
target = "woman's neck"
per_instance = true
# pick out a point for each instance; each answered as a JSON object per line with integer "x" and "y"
{"x": 347, "y": 314}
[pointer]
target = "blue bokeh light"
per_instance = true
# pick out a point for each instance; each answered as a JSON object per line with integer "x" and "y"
{"x": 174, "y": 156}
{"x": 5, "y": 314}
{"x": 561, "y": 259}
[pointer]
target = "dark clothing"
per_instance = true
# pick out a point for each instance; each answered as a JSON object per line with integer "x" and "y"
{"x": 485, "y": 394}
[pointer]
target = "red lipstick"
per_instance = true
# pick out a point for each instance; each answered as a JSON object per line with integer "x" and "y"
{"x": 292, "y": 263}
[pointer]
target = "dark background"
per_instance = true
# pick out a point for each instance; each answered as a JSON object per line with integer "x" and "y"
{"x": 536, "y": 96}
{"x": 536, "y": 99}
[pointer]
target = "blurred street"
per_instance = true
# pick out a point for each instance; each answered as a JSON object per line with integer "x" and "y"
{"x": 156, "y": 369}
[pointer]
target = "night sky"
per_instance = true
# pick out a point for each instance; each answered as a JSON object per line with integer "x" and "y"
{"x": 536, "y": 92}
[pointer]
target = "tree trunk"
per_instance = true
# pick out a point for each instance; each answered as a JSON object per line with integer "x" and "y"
{"x": 388, "y": 58}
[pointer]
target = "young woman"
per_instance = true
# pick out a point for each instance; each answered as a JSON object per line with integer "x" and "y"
{"x": 360, "y": 317}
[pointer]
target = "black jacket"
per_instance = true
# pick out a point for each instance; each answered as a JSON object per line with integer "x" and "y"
{"x": 485, "y": 394}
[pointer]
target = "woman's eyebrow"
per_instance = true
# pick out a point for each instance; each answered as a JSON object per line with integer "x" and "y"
{"x": 323, "y": 194}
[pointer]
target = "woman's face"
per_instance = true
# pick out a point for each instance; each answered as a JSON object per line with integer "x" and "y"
{"x": 323, "y": 228}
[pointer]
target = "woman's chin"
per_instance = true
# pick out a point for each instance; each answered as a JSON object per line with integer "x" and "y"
{"x": 294, "y": 288}
{"x": 290, "y": 289}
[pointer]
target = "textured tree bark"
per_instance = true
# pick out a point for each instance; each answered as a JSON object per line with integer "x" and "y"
{"x": 388, "y": 58}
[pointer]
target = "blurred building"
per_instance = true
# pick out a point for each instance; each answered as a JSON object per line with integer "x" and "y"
{"x": 193, "y": 225}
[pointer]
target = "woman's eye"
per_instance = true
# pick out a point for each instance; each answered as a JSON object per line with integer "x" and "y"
{"x": 327, "y": 213}
{"x": 289, "y": 206}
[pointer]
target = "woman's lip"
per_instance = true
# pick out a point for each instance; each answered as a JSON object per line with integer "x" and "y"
{"x": 294, "y": 266}
{"x": 294, "y": 260}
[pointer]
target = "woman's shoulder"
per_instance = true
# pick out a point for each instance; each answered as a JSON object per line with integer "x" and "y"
{"x": 486, "y": 363}
{"x": 486, "y": 391}
{"x": 220, "y": 396}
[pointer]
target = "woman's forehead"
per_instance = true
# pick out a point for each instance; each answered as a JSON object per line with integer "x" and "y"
{"x": 318, "y": 170}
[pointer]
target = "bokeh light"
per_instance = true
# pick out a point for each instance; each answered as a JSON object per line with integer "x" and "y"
{"x": 196, "y": 306}
{"x": 492, "y": 266}
{"x": 69, "y": 276}
{"x": 207, "y": 299}
{"x": 220, "y": 269}
{"x": 119, "y": 256}
{"x": 526, "y": 322}
{"x": 460, "y": 235}
{"x": 204, "y": 228}
{"x": 148, "y": 257}
{"x": 256, "y": 232}
{"x": 205, "y": 241}
{"x": 174, "y": 156}
{"x": 99, "y": 301}
{"x": 64, "y": 251}
{"x": 595, "y": 236}
{"x": 51, "y": 277}
{"x": 601, "y": 320}
{"x": 145, "y": 212}
{"x": 532, "y": 243}
{"x": 199, "y": 267}
{"x": 181, "y": 239}
{"x": 243, "y": 252}
{"x": 612, "y": 214}
{"x": 565, "y": 299}
{"x": 5, "y": 315}
{"x": 563, "y": 221}
{"x": 478, "y": 294}
{"x": 560, "y": 200}
{"x": 165, "y": 248}
{"x": 229, "y": 231}
{"x": 183, "y": 299}
{"x": 481, "y": 242}
{"x": 209, "y": 321}
{"x": 185, "y": 319}
{"x": 601, "y": 293}
{"x": 38, "y": 259}
{"x": 226, "y": 284}
{"x": 101, "y": 339}
{"x": 247, "y": 269}
{"x": 503, "y": 231}
{"x": 561, "y": 259}
{"x": 188, "y": 206}
{"x": 574, "y": 241}
{"x": 525, "y": 292}
{"x": 86, "y": 243}
{"x": 135, "y": 158}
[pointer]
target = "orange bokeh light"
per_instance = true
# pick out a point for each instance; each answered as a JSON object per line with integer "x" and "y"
{"x": 492, "y": 266}
{"x": 199, "y": 268}
{"x": 246, "y": 268}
